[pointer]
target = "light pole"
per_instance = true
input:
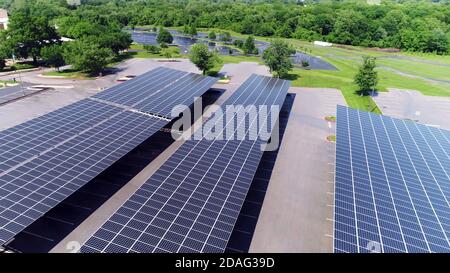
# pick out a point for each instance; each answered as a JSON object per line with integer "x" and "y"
{"x": 20, "y": 77}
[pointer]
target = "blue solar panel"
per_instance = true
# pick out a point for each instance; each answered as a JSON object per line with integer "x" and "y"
{"x": 45, "y": 160}
{"x": 159, "y": 91}
{"x": 20, "y": 143}
{"x": 192, "y": 202}
{"x": 392, "y": 185}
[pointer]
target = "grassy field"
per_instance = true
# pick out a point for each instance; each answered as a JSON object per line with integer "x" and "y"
{"x": 172, "y": 51}
{"x": 427, "y": 73}
{"x": 18, "y": 66}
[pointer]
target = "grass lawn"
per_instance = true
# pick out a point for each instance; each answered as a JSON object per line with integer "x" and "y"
{"x": 341, "y": 79}
{"x": 142, "y": 53}
{"x": 410, "y": 64}
{"x": 69, "y": 73}
{"x": 3, "y": 83}
{"x": 403, "y": 70}
{"x": 226, "y": 59}
{"x": 19, "y": 66}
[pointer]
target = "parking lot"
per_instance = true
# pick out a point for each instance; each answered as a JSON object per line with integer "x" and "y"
{"x": 297, "y": 210}
{"x": 410, "y": 104}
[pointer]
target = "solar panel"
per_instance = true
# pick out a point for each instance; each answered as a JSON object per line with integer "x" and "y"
{"x": 45, "y": 160}
{"x": 192, "y": 202}
{"x": 29, "y": 139}
{"x": 392, "y": 185}
{"x": 159, "y": 90}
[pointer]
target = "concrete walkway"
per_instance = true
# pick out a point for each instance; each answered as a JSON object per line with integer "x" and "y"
{"x": 297, "y": 209}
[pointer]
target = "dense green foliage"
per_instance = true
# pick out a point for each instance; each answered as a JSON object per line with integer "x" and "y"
{"x": 164, "y": 36}
{"x": 277, "y": 58}
{"x": 409, "y": 25}
{"x": 152, "y": 49}
{"x": 28, "y": 33}
{"x": 249, "y": 46}
{"x": 212, "y": 35}
{"x": 204, "y": 59}
{"x": 87, "y": 56}
{"x": 35, "y": 25}
{"x": 53, "y": 55}
{"x": 367, "y": 77}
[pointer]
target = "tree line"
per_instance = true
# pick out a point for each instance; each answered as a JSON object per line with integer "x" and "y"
{"x": 35, "y": 29}
{"x": 409, "y": 25}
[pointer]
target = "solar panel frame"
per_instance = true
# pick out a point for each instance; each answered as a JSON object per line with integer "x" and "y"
{"x": 135, "y": 235}
{"x": 47, "y": 180}
{"x": 53, "y": 167}
{"x": 19, "y": 144}
{"x": 159, "y": 91}
{"x": 392, "y": 185}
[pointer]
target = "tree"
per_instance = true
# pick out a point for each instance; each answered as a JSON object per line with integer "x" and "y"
{"x": 278, "y": 58}
{"x": 367, "y": 77}
{"x": 193, "y": 30}
{"x": 87, "y": 56}
{"x": 116, "y": 41}
{"x": 226, "y": 37}
{"x": 27, "y": 34}
{"x": 238, "y": 43}
{"x": 53, "y": 55}
{"x": 186, "y": 29}
{"x": 164, "y": 36}
{"x": 212, "y": 35}
{"x": 203, "y": 58}
{"x": 3, "y": 52}
{"x": 249, "y": 46}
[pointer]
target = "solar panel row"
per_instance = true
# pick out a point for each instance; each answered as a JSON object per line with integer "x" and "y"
{"x": 48, "y": 158}
{"x": 31, "y": 138}
{"x": 392, "y": 185}
{"x": 192, "y": 202}
{"x": 159, "y": 90}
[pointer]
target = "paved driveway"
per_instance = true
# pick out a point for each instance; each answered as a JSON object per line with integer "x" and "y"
{"x": 410, "y": 104}
{"x": 296, "y": 212}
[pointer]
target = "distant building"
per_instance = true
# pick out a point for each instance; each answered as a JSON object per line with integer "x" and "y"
{"x": 3, "y": 19}
{"x": 320, "y": 43}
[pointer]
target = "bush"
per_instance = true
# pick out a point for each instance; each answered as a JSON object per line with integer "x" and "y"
{"x": 152, "y": 49}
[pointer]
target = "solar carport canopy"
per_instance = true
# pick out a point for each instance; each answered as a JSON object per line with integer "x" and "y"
{"x": 392, "y": 185}
{"x": 159, "y": 91}
{"x": 46, "y": 159}
{"x": 192, "y": 202}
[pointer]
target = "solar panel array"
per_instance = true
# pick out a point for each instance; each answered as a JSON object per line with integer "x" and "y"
{"x": 192, "y": 202}
{"x": 392, "y": 185}
{"x": 159, "y": 91}
{"x": 46, "y": 159}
